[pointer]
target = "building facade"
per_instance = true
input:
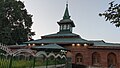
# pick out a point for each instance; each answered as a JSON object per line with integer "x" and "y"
{"x": 91, "y": 53}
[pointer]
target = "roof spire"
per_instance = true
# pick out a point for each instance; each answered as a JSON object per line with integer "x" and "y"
{"x": 66, "y": 14}
{"x": 67, "y": 2}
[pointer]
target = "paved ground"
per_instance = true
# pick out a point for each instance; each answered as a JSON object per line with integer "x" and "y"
{"x": 53, "y": 66}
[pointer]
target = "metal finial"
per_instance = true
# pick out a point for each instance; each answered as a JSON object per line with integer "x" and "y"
{"x": 67, "y": 3}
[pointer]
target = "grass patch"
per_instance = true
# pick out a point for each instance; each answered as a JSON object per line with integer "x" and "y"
{"x": 18, "y": 63}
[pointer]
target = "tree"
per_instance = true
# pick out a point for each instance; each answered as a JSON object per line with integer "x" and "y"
{"x": 112, "y": 14}
{"x": 15, "y": 22}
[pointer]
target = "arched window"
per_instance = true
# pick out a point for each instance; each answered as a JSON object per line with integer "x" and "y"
{"x": 64, "y": 27}
{"x": 96, "y": 59}
{"x": 79, "y": 58}
{"x": 61, "y": 27}
{"x": 111, "y": 59}
{"x": 68, "y": 27}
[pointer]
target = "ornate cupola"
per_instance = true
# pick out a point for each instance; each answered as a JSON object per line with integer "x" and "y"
{"x": 66, "y": 24}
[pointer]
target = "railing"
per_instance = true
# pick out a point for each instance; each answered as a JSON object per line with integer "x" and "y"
{"x": 26, "y": 58}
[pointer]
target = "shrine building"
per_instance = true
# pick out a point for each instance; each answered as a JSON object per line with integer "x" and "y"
{"x": 91, "y": 53}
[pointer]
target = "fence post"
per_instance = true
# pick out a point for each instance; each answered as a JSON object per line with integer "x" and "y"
{"x": 55, "y": 62}
{"x": 11, "y": 59}
{"x": 34, "y": 59}
{"x": 46, "y": 62}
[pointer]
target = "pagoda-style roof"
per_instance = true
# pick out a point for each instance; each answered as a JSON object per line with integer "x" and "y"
{"x": 68, "y": 21}
{"x": 66, "y": 36}
{"x": 59, "y": 38}
{"x": 59, "y": 41}
{"x": 17, "y": 46}
{"x": 50, "y": 46}
{"x": 62, "y": 35}
{"x": 66, "y": 18}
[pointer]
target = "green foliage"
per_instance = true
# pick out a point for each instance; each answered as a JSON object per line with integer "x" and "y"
{"x": 4, "y": 63}
{"x": 15, "y": 22}
{"x": 112, "y": 14}
{"x": 23, "y": 63}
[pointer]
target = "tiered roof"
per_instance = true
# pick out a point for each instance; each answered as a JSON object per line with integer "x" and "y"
{"x": 67, "y": 37}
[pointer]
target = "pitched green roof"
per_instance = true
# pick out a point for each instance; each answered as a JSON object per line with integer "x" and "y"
{"x": 66, "y": 14}
{"x": 103, "y": 43}
{"x": 66, "y": 18}
{"x": 50, "y": 46}
{"x": 61, "y": 34}
{"x": 59, "y": 41}
{"x": 60, "y": 38}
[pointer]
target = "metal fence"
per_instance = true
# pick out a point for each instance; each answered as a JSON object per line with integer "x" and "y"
{"x": 27, "y": 58}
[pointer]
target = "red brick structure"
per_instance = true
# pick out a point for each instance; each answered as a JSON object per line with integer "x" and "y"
{"x": 90, "y": 53}
{"x": 96, "y": 56}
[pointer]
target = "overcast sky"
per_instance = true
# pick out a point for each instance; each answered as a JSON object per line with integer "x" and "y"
{"x": 84, "y": 13}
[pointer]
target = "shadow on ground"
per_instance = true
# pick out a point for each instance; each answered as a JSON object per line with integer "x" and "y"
{"x": 78, "y": 66}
